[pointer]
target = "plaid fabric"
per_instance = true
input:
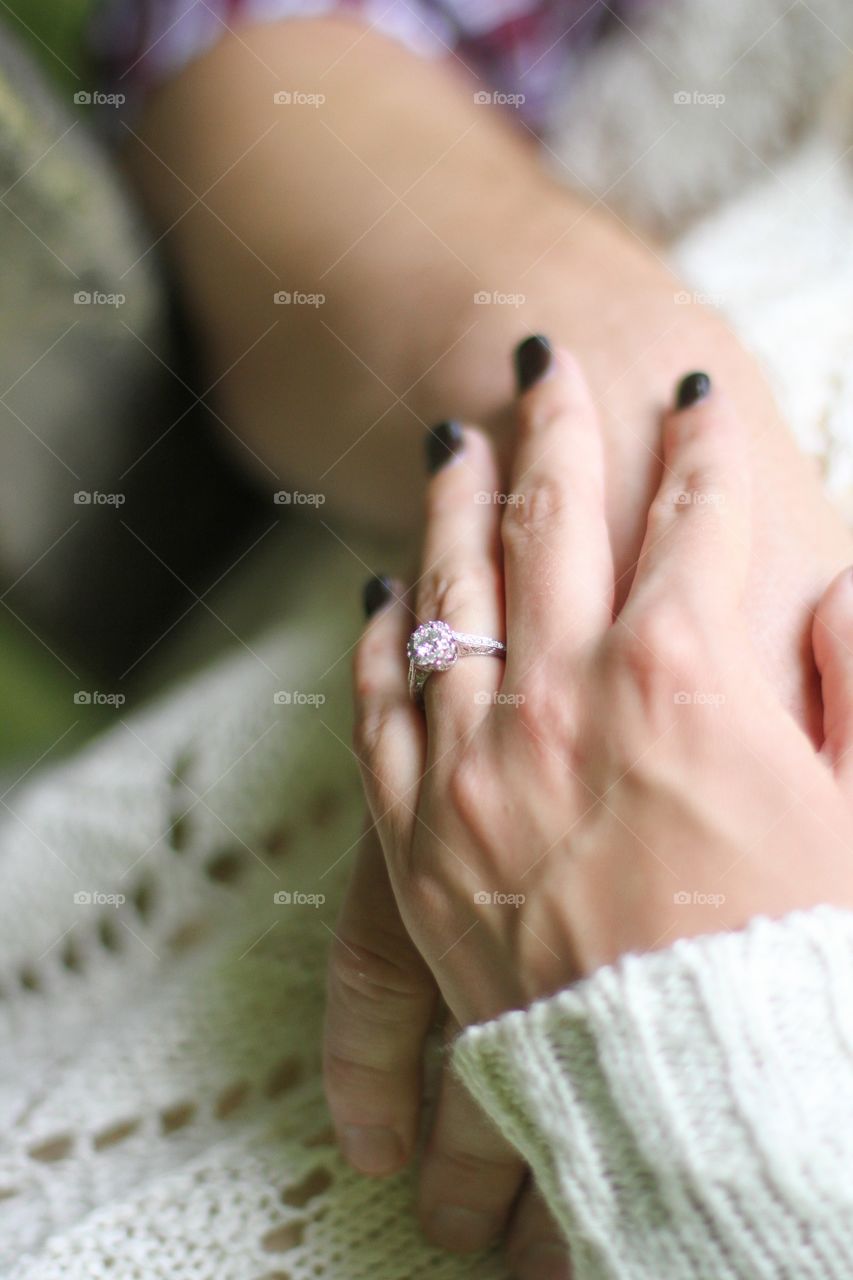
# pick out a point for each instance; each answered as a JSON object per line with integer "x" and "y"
{"x": 515, "y": 48}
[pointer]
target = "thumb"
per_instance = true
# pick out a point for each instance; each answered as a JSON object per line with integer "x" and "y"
{"x": 381, "y": 999}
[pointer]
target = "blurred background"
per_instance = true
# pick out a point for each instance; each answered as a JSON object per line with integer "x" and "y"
{"x": 119, "y": 507}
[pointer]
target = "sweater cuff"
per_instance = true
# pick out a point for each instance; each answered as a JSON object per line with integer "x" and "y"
{"x": 689, "y": 1112}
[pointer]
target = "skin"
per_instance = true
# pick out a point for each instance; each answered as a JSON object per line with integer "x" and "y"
{"x": 399, "y": 199}
{"x": 511, "y": 779}
{"x": 306, "y": 198}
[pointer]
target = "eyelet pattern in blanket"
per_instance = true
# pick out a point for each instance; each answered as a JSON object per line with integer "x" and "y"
{"x": 167, "y": 901}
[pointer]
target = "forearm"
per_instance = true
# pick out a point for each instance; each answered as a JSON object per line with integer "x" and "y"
{"x": 398, "y": 200}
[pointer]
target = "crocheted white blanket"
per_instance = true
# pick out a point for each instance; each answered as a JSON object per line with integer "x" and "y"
{"x": 167, "y": 896}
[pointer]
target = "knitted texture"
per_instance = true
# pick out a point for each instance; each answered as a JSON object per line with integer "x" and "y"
{"x": 690, "y": 1112}
{"x": 167, "y": 901}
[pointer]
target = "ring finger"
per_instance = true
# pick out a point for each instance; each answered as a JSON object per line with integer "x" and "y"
{"x": 461, "y": 579}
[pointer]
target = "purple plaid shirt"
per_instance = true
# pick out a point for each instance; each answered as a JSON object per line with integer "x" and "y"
{"x": 516, "y": 49}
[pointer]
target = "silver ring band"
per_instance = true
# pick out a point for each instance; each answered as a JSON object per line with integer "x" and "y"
{"x": 435, "y": 646}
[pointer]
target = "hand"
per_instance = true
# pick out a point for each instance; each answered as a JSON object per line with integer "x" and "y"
{"x": 382, "y": 1000}
{"x": 614, "y": 768}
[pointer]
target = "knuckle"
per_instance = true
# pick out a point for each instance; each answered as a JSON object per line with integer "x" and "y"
{"x": 450, "y": 594}
{"x": 460, "y": 1164}
{"x": 366, "y": 665}
{"x": 545, "y": 706}
{"x": 365, "y": 685}
{"x": 539, "y": 507}
{"x": 468, "y": 789}
{"x": 346, "y": 1075}
{"x": 375, "y": 982}
{"x": 372, "y": 723}
{"x": 696, "y": 494}
{"x": 699, "y": 491}
{"x": 704, "y": 484}
{"x": 657, "y": 648}
{"x": 428, "y": 895}
{"x": 664, "y": 507}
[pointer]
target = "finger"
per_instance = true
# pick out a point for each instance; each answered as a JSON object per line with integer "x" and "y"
{"x": 696, "y": 548}
{"x": 389, "y": 732}
{"x": 470, "y": 1175}
{"x": 832, "y": 639}
{"x": 380, "y": 1001}
{"x": 461, "y": 581}
{"x": 557, "y": 560}
{"x": 535, "y": 1245}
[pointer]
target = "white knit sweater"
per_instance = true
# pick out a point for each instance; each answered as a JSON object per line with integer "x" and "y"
{"x": 688, "y": 1113}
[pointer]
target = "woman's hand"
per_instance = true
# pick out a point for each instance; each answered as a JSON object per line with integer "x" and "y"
{"x": 569, "y": 749}
{"x": 382, "y": 1001}
{"x": 619, "y": 783}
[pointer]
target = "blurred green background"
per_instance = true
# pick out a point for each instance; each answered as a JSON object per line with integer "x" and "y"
{"x": 54, "y": 30}
{"x": 36, "y": 693}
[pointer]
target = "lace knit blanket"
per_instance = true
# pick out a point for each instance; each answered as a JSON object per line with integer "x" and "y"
{"x": 168, "y": 895}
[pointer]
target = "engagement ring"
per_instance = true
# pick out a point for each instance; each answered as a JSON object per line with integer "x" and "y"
{"x": 435, "y": 646}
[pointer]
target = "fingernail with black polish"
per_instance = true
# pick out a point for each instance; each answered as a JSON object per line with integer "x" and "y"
{"x": 696, "y": 386}
{"x": 442, "y": 443}
{"x": 376, "y": 592}
{"x": 532, "y": 360}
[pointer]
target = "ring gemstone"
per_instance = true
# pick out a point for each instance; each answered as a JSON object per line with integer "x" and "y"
{"x": 433, "y": 647}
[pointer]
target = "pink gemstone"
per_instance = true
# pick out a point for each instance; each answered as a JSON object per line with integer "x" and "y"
{"x": 432, "y": 647}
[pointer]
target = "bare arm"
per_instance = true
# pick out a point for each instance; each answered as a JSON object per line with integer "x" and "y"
{"x": 398, "y": 199}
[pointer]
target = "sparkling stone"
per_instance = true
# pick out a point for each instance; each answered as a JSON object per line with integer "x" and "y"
{"x": 432, "y": 647}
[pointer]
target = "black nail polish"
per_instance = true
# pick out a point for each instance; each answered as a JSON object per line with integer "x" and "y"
{"x": 696, "y": 386}
{"x": 442, "y": 443}
{"x": 377, "y": 592}
{"x": 532, "y": 360}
